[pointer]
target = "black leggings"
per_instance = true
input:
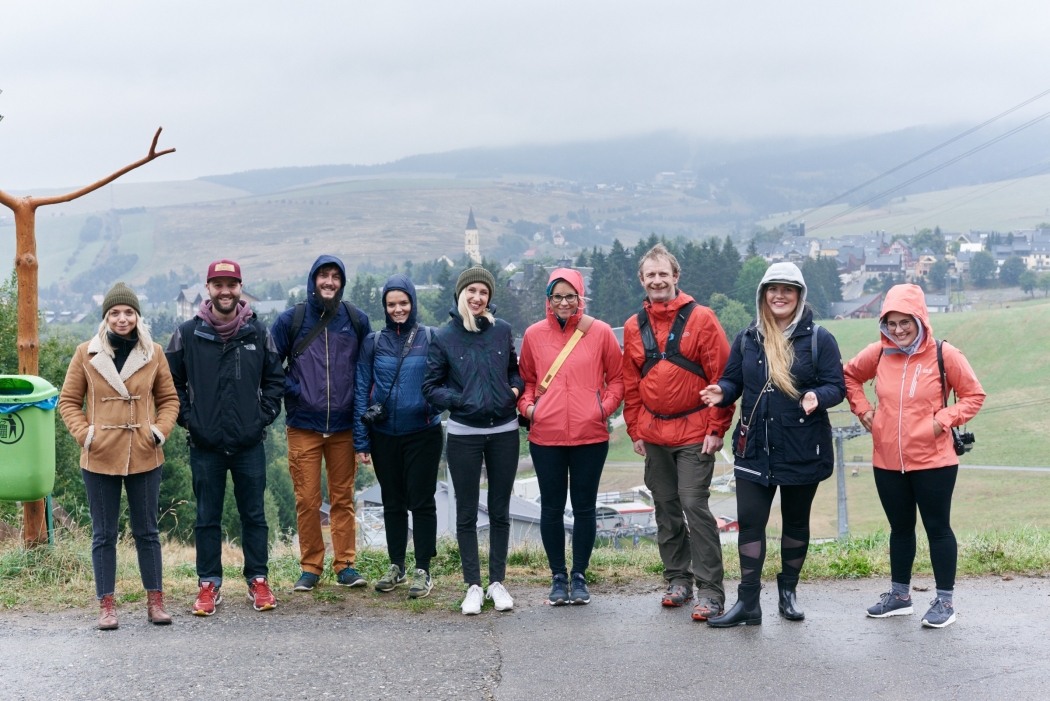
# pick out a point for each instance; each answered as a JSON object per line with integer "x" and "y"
{"x": 406, "y": 467}
{"x": 753, "y": 502}
{"x": 930, "y": 491}
{"x": 568, "y": 470}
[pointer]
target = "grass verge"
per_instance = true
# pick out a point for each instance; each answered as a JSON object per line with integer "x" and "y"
{"x": 58, "y": 577}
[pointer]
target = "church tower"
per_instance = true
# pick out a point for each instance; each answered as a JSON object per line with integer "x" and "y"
{"x": 470, "y": 240}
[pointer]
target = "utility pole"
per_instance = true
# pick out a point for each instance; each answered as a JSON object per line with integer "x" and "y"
{"x": 841, "y": 435}
{"x": 26, "y": 267}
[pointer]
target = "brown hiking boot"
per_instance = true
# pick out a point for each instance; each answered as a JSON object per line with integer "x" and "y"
{"x": 107, "y": 613}
{"x": 155, "y": 608}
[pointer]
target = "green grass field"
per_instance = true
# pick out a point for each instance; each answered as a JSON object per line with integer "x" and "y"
{"x": 997, "y": 206}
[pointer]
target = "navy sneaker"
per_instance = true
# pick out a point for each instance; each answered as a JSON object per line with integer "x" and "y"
{"x": 891, "y": 604}
{"x": 306, "y": 582}
{"x": 559, "y": 590}
{"x": 579, "y": 594}
{"x": 350, "y": 578}
{"x": 940, "y": 615}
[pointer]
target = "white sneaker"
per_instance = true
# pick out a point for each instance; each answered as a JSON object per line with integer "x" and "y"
{"x": 500, "y": 597}
{"x": 473, "y": 601}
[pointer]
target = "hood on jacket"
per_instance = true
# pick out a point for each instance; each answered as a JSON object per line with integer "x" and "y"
{"x": 911, "y": 300}
{"x": 400, "y": 282}
{"x": 310, "y": 288}
{"x": 574, "y": 278}
{"x": 786, "y": 273}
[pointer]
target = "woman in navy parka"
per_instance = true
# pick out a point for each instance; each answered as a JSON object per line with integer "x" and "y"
{"x": 789, "y": 372}
{"x": 405, "y": 446}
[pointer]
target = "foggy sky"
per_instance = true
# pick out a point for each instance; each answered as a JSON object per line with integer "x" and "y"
{"x": 243, "y": 85}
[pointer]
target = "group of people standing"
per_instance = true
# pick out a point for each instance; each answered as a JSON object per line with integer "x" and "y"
{"x": 353, "y": 395}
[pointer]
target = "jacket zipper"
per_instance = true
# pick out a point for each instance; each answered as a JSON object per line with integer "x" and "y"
{"x": 327, "y": 384}
{"x": 237, "y": 353}
{"x": 915, "y": 380}
{"x": 900, "y": 414}
{"x": 601, "y": 409}
{"x": 393, "y": 388}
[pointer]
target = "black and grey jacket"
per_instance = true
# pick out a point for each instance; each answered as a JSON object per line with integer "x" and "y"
{"x": 229, "y": 392}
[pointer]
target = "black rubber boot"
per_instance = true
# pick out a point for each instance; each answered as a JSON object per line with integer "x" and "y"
{"x": 788, "y": 605}
{"x": 745, "y": 612}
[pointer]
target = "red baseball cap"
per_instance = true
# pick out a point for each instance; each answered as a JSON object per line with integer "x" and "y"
{"x": 224, "y": 268}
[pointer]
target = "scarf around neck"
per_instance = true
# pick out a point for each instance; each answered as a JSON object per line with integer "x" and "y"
{"x": 225, "y": 329}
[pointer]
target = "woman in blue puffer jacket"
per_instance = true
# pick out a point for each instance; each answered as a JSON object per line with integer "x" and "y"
{"x": 472, "y": 370}
{"x": 404, "y": 441}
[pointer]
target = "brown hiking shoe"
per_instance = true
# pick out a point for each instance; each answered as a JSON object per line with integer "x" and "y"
{"x": 155, "y": 608}
{"x": 107, "y": 613}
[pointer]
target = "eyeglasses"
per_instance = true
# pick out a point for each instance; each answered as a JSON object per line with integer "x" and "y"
{"x": 558, "y": 299}
{"x": 903, "y": 325}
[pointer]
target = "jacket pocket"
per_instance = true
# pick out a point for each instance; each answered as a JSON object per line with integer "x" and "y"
{"x": 801, "y": 436}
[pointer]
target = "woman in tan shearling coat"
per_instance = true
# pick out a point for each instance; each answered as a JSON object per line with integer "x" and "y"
{"x": 120, "y": 404}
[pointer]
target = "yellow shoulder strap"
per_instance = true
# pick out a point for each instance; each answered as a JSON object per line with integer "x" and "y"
{"x": 581, "y": 329}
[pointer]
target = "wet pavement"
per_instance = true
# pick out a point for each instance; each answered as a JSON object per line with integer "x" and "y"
{"x": 622, "y": 646}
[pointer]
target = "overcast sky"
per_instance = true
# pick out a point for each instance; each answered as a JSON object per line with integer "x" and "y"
{"x": 242, "y": 85}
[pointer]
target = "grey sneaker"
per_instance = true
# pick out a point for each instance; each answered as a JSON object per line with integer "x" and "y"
{"x": 940, "y": 615}
{"x": 421, "y": 585}
{"x": 891, "y": 604}
{"x": 394, "y": 577}
{"x": 306, "y": 582}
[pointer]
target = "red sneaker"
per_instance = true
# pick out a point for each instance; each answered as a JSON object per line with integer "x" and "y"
{"x": 260, "y": 595}
{"x": 207, "y": 599}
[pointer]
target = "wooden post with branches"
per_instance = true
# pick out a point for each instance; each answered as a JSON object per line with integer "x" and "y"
{"x": 26, "y": 269}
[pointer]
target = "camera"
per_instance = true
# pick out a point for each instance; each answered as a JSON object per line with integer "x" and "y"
{"x": 962, "y": 441}
{"x": 374, "y": 414}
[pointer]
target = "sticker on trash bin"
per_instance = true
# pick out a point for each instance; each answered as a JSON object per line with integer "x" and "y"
{"x": 11, "y": 428}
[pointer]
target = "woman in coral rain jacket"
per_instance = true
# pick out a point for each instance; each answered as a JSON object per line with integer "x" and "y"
{"x": 568, "y": 435}
{"x": 914, "y": 457}
{"x": 130, "y": 410}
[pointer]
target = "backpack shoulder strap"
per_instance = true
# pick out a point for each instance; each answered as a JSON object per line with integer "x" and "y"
{"x": 355, "y": 319}
{"x": 671, "y": 352}
{"x": 649, "y": 344}
{"x": 940, "y": 367}
{"x": 429, "y": 332}
{"x": 813, "y": 350}
{"x": 297, "y": 322}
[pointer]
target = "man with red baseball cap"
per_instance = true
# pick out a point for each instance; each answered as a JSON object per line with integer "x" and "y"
{"x": 230, "y": 382}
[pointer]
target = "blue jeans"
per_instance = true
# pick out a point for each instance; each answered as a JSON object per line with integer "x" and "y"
{"x": 103, "y": 494}
{"x": 248, "y": 469}
{"x": 569, "y": 470}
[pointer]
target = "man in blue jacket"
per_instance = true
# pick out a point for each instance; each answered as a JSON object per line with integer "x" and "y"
{"x": 320, "y": 340}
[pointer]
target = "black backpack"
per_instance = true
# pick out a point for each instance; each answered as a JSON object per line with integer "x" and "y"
{"x": 670, "y": 353}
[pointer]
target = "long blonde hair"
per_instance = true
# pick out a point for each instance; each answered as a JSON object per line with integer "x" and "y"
{"x": 780, "y": 352}
{"x": 141, "y": 328}
{"x": 469, "y": 322}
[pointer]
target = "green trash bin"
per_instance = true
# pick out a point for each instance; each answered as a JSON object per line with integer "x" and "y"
{"x": 27, "y": 437}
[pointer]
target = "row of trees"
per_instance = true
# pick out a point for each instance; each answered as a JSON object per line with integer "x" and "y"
{"x": 713, "y": 272}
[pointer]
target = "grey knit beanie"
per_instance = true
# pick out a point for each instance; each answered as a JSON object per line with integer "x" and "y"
{"x": 476, "y": 274}
{"x": 120, "y": 294}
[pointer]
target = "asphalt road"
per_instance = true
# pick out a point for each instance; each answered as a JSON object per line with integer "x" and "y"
{"x": 622, "y": 646}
